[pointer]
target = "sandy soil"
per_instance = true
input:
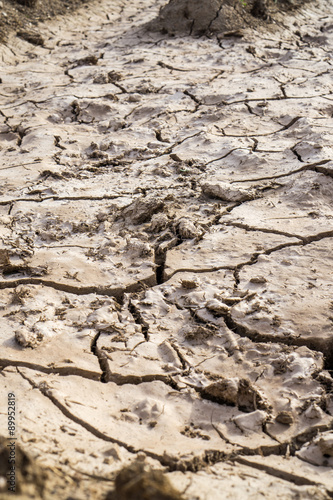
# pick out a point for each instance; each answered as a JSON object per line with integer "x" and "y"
{"x": 166, "y": 253}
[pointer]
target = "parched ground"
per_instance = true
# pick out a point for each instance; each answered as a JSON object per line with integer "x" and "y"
{"x": 166, "y": 223}
{"x": 19, "y": 16}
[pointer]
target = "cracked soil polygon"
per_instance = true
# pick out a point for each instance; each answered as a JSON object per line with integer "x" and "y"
{"x": 165, "y": 254}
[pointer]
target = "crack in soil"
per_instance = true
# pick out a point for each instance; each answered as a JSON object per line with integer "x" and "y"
{"x": 286, "y": 476}
{"x": 194, "y": 464}
{"x": 102, "y": 359}
{"x": 241, "y": 225}
{"x": 60, "y": 370}
{"x": 310, "y": 166}
{"x": 138, "y": 319}
{"x": 146, "y": 75}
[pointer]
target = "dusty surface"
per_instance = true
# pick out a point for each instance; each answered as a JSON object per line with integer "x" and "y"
{"x": 23, "y": 16}
{"x": 166, "y": 252}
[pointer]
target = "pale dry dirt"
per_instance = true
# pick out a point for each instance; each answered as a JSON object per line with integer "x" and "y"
{"x": 166, "y": 225}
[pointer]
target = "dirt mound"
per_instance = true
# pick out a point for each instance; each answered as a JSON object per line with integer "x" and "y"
{"x": 141, "y": 482}
{"x": 19, "y": 472}
{"x": 25, "y": 14}
{"x": 197, "y": 17}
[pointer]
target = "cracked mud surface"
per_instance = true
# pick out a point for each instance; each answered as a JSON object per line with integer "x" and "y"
{"x": 166, "y": 257}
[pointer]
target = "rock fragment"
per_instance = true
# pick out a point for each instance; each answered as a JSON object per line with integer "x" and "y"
{"x": 142, "y": 210}
{"x": 251, "y": 422}
{"x": 319, "y": 451}
{"x": 237, "y": 392}
{"x": 186, "y": 229}
{"x": 284, "y": 417}
{"x": 228, "y": 192}
{"x": 158, "y": 222}
{"x": 188, "y": 284}
{"x": 217, "y": 307}
{"x": 224, "y": 391}
{"x": 27, "y": 338}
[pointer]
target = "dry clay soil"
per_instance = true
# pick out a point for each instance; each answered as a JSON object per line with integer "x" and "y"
{"x": 166, "y": 294}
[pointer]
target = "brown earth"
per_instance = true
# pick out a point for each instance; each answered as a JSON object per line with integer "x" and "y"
{"x": 198, "y": 17}
{"x": 195, "y": 16}
{"x": 24, "y": 15}
{"x": 166, "y": 230}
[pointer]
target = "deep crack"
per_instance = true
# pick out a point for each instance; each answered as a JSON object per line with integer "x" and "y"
{"x": 102, "y": 359}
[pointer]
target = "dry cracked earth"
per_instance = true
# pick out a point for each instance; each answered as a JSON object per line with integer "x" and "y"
{"x": 166, "y": 225}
